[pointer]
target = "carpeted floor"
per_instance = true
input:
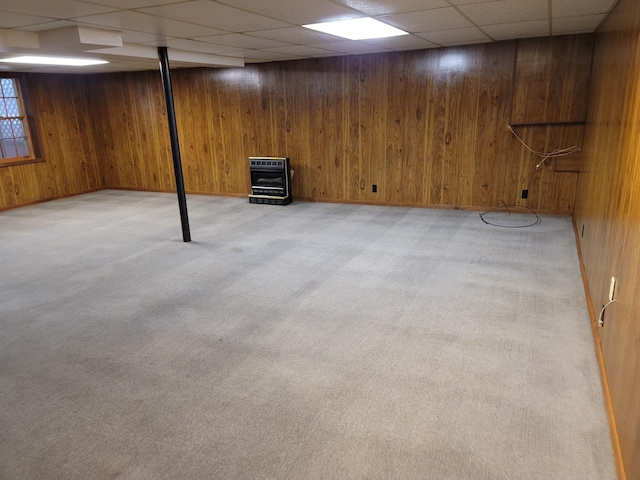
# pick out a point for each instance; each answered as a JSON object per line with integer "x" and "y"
{"x": 312, "y": 341}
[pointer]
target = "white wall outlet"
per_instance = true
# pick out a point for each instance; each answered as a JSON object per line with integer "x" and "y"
{"x": 612, "y": 289}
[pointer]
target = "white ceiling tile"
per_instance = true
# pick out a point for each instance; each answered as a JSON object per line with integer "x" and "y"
{"x": 141, "y": 22}
{"x": 59, "y": 9}
{"x": 381, "y": 7}
{"x": 403, "y": 42}
{"x": 215, "y": 15}
{"x": 264, "y": 55}
{"x": 467, "y": 42}
{"x": 457, "y": 36}
{"x": 268, "y": 30}
{"x": 426, "y": 47}
{"x": 298, "y": 35}
{"x": 14, "y": 20}
{"x": 571, "y": 8}
{"x": 506, "y": 11}
{"x": 582, "y": 24}
{"x": 427, "y": 20}
{"x": 352, "y": 47}
{"x": 129, "y": 4}
{"x": 298, "y": 50}
{"x": 295, "y": 11}
{"x": 243, "y": 41}
{"x": 467, "y": 2}
{"x": 507, "y": 31}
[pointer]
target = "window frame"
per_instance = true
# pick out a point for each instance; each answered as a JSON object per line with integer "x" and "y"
{"x": 26, "y": 122}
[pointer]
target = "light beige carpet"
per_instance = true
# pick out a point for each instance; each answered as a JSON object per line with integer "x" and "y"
{"x": 312, "y": 341}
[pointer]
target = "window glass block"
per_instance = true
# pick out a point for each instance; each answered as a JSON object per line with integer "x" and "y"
{"x": 14, "y": 138}
{"x": 9, "y": 148}
{"x": 22, "y": 145}
{"x": 8, "y": 87}
{"x": 13, "y": 107}
{"x": 5, "y": 129}
{"x": 18, "y": 128}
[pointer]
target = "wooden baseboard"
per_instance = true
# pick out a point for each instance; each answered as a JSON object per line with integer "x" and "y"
{"x": 59, "y": 197}
{"x": 470, "y": 208}
{"x": 302, "y": 199}
{"x": 615, "y": 440}
{"x": 156, "y": 190}
{"x": 49, "y": 199}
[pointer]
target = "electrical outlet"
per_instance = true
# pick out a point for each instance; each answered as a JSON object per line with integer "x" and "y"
{"x": 612, "y": 289}
{"x": 374, "y": 188}
{"x": 525, "y": 193}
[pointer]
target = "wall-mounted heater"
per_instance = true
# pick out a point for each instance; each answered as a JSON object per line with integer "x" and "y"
{"x": 270, "y": 180}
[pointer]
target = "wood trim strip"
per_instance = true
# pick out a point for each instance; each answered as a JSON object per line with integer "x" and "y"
{"x": 469, "y": 208}
{"x": 12, "y": 162}
{"x": 189, "y": 192}
{"x": 547, "y": 124}
{"x": 43, "y": 200}
{"x": 613, "y": 430}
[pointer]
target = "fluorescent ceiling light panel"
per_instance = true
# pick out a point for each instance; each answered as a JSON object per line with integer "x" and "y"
{"x": 73, "y": 62}
{"x": 357, "y": 29}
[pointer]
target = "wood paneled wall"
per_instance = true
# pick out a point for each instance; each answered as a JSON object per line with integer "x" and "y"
{"x": 130, "y": 125}
{"x": 427, "y": 127}
{"x": 60, "y": 118}
{"x": 608, "y": 209}
{"x": 552, "y": 80}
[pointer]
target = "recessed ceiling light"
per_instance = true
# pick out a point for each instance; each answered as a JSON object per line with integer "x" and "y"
{"x": 35, "y": 60}
{"x": 358, "y": 29}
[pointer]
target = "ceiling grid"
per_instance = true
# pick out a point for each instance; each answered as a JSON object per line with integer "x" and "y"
{"x": 238, "y": 32}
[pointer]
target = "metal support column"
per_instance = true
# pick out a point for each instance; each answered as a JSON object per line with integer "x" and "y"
{"x": 175, "y": 145}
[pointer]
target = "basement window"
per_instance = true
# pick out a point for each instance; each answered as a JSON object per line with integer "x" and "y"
{"x": 15, "y": 142}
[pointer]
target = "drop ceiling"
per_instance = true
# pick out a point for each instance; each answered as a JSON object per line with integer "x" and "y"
{"x": 238, "y": 32}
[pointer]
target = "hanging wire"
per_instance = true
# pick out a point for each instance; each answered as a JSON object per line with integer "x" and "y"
{"x": 507, "y": 209}
{"x": 561, "y": 152}
{"x": 601, "y": 316}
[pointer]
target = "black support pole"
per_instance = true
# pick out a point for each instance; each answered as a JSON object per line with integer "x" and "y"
{"x": 175, "y": 145}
